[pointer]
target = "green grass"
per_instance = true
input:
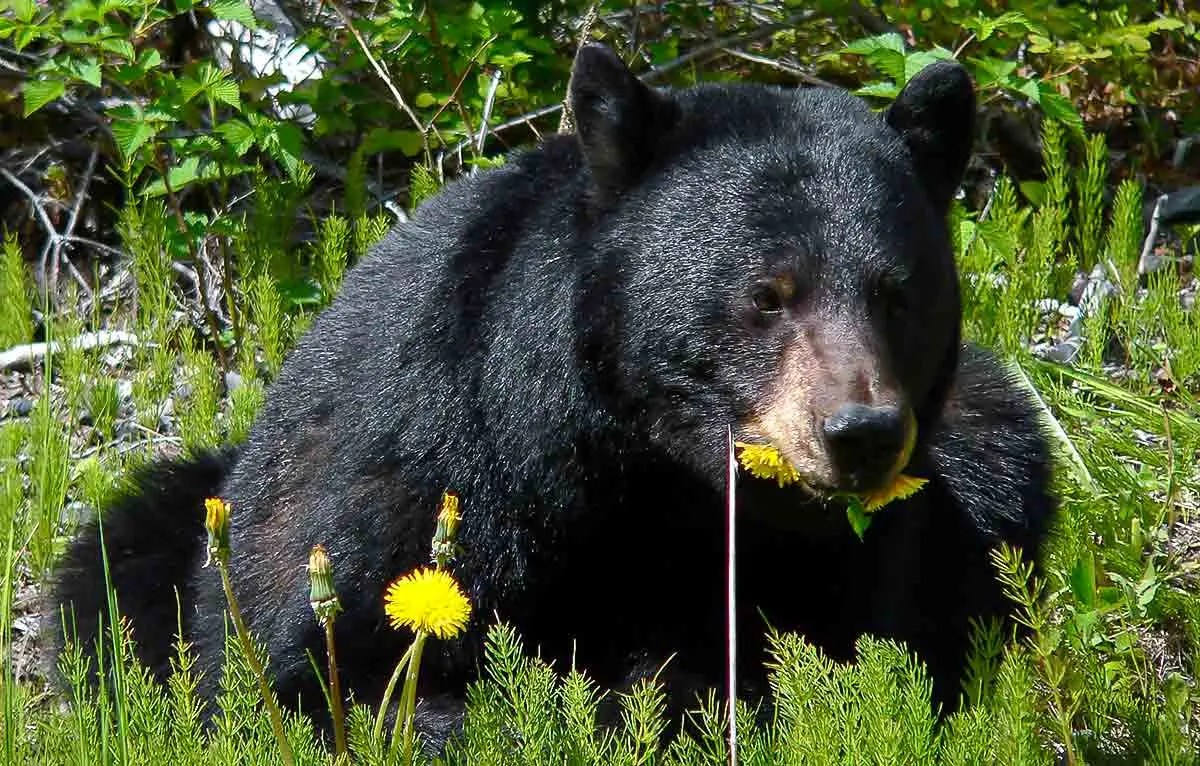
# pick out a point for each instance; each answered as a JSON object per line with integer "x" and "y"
{"x": 1107, "y": 675}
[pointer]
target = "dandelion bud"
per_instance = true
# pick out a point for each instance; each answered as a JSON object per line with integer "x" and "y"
{"x": 216, "y": 521}
{"x": 447, "y": 528}
{"x": 322, "y": 596}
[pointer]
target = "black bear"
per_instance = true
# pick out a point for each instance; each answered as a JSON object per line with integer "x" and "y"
{"x": 564, "y": 342}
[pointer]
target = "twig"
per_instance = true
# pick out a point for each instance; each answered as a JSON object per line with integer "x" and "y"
{"x": 25, "y": 355}
{"x": 383, "y": 75}
{"x": 35, "y": 202}
{"x": 53, "y": 238}
{"x": 1151, "y": 236}
{"x": 566, "y": 123}
{"x": 715, "y": 46}
{"x": 80, "y": 195}
{"x": 487, "y": 109}
{"x": 723, "y": 42}
{"x": 782, "y": 66}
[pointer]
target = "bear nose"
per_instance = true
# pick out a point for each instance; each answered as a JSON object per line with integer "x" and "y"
{"x": 864, "y": 444}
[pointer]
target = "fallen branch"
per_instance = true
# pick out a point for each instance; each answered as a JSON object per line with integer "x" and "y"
{"x": 23, "y": 357}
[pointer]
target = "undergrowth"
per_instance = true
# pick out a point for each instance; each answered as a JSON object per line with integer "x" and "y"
{"x": 1105, "y": 674}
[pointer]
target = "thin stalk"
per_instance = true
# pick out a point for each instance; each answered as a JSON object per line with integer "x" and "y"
{"x": 285, "y": 749}
{"x": 409, "y": 701}
{"x": 335, "y": 694}
{"x": 391, "y": 687}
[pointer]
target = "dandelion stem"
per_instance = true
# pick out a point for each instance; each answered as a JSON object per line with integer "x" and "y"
{"x": 335, "y": 693}
{"x": 409, "y": 701}
{"x": 391, "y": 687}
{"x": 285, "y": 749}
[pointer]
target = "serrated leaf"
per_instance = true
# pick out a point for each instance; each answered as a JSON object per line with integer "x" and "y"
{"x": 226, "y": 91}
{"x": 915, "y": 62}
{"x": 233, "y": 10}
{"x": 888, "y": 41}
{"x": 122, "y": 48}
{"x": 131, "y": 135}
{"x": 149, "y": 58}
{"x": 1027, "y": 88}
{"x": 888, "y": 90}
{"x": 88, "y": 71}
{"x": 191, "y": 170}
{"x": 38, "y": 93}
{"x": 1059, "y": 108}
{"x": 989, "y": 71}
{"x": 237, "y": 134}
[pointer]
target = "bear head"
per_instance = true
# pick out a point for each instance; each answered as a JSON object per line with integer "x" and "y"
{"x": 773, "y": 259}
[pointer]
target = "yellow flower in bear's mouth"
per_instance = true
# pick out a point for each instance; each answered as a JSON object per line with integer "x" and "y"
{"x": 428, "y": 601}
{"x": 766, "y": 462}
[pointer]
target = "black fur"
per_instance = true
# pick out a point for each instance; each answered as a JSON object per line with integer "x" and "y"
{"x": 563, "y": 341}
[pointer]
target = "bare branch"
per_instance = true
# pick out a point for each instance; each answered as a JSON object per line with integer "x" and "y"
{"x": 24, "y": 356}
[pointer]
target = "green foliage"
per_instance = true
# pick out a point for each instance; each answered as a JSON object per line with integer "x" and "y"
{"x": 16, "y": 322}
{"x": 1059, "y": 45}
{"x": 1085, "y": 679}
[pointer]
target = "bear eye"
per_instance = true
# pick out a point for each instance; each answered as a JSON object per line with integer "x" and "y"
{"x": 767, "y": 298}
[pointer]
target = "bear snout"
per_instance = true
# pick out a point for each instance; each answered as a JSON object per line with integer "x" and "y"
{"x": 867, "y": 445}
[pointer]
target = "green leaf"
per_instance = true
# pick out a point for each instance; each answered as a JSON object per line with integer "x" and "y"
{"x": 856, "y": 514}
{"x": 300, "y": 292}
{"x": 424, "y": 100}
{"x": 1057, "y": 107}
{"x": 88, "y": 71}
{"x": 131, "y": 135}
{"x": 24, "y": 9}
{"x": 233, "y": 10}
{"x": 888, "y": 41}
{"x": 915, "y": 62}
{"x": 237, "y": 134}
{"x": 885, "y": 52}
{"x": 38, "y": 93}
{"x": 1083, "y": 580}
{"x": 381, "y": 139}
{"x": 989, "y": 71}
{"x": 226, "y": 90}
{"x": 888, "y": 90}
{"x": 122, "y": 48}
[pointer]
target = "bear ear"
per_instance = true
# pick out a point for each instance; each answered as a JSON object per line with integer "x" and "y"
{"x": 617, "y": 117}
{"x": 935, "y": 114}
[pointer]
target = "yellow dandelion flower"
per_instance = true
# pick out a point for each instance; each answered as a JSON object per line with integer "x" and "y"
{"x": 216, "y": 522}
{"x": 901, "y": 487}
{"x": 766, "y": 462}
{"x": 428, "y": 601}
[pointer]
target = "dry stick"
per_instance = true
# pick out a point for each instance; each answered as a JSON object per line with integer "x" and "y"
{"x": 782, "y": 66}
{"x": 183, "y": 230}
{"x": 53, "y": 238}
{"x": 435, "y": 37}
{"x": 488, "y": 103}
{"x": 566, "y": 123}
{"x": 383, "y": 75}
{"x": 731, "y": 585}
{"x": 27, "y": 354}
{"x": 80, "y": 195}
{"x": 654, "y": 74}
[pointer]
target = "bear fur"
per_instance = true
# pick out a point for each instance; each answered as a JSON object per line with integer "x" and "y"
{"x": 563, "y": 342}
